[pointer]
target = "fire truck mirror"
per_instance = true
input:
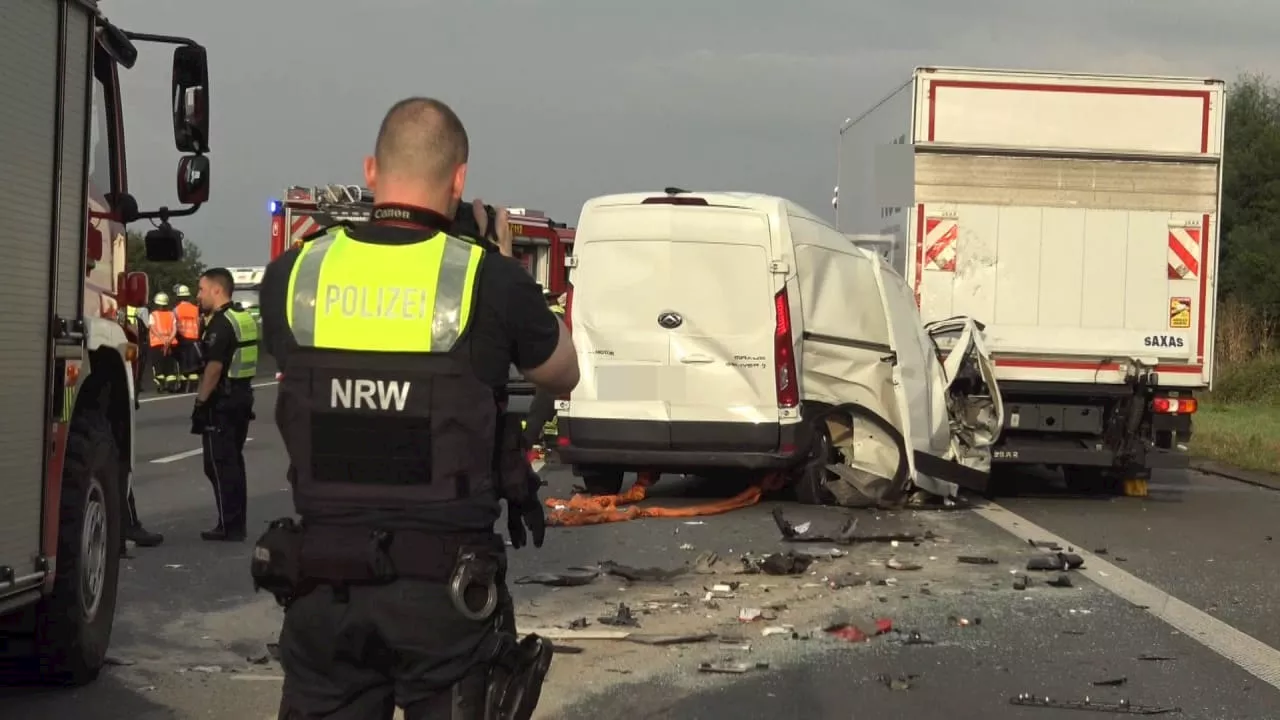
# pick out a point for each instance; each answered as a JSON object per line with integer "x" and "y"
{"x": 193, "y": 180}
{"x": 164, "y": 244}
{"x": 136, "y": 289}
{"x": 191, "y": 99}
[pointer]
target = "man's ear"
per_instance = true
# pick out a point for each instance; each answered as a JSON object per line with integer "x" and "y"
{"x": 371, "y": 173}
{"x": 459, "y": 184}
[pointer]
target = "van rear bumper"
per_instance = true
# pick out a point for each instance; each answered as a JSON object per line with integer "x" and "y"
{"x": 679, "y": 446}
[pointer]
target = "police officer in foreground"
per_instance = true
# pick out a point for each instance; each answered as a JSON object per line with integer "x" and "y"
{"x": 396, "y": 338}
{"x": 224, "y": 401}
{"x": 542, "y": 409}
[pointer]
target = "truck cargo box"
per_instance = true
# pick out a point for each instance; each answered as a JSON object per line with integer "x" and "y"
{"x": 1075, "y": 215}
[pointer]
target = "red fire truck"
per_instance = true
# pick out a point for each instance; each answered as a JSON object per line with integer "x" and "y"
{"x": 541, "y": 244}
{"x": 69, "y": 364}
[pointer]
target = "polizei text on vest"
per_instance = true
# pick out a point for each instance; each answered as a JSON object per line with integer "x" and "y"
{"x": 393, "y": 303}
{"x": 352, "y": 394}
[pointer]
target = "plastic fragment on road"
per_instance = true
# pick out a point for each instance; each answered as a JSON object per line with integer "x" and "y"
{"x": 852, "y": 633}
{"x": 724, "y": 666}
{"x": 574, "y": 577}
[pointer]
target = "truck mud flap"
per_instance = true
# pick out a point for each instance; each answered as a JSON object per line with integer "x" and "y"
{"x": 964, "y": 476}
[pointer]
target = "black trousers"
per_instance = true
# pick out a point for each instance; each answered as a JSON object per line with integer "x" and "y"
{"x": 541, "y": 410}
{"x": 223, "y": 446}
{"x": 144, "y": 359}
{"x": 359, "y": 656}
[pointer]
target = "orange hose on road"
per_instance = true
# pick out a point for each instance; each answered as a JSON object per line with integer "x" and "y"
{"x": 597, "y": 509}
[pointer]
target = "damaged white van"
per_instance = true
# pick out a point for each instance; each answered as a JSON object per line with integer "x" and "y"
{"x": 739, "y": 332}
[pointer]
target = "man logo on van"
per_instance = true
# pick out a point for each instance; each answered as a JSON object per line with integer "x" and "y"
{"x": 1163, "y": 341}
{"x": 670, "y": 320}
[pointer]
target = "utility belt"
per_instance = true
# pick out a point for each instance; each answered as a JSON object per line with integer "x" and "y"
{"x": 291, "y": 560}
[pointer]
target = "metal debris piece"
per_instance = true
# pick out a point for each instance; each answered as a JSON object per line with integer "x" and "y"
{"x": 1124, "y": 707}
{"x": 623, "y": 617}
{"x": 785, "y": 564}
{"x": 1020, "y": 582}
{"x": 1156, "y": 658}
{"x": 846, "y": 534}
{"x": 704, "y": 563}
{"x": 578, "y": 624}
{"x": 1062, "y": 581}
{"x": 1110, "y": 682}
{"x": 574, "y": 577}
{"x": 975, "y": 560}
{"x": 1045, "y": 544}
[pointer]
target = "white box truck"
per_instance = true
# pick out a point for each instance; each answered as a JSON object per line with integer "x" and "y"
{"x": 1076, "y": 217}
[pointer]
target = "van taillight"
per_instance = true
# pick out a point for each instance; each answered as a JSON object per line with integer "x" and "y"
{"x": 784, "y": 354}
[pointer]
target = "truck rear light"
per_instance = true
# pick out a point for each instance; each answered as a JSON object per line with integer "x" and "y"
{"x": 1174, "y": 406}
{"x": 668, "y": 200}
{"x": 784, "y": 357}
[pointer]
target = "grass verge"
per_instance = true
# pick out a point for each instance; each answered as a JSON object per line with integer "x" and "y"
{"x": 1239, "y": 422}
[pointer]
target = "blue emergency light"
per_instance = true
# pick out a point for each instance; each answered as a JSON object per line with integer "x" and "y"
{"x": 273, "y": 207}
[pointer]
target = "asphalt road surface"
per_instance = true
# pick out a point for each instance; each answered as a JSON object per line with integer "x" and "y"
{"x": 1183, "y": 578}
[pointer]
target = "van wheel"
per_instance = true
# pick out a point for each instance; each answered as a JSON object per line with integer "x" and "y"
{"x": 601, "y": 482}
{"x": 74, "y": 626}
{"x": 810, "y": 479}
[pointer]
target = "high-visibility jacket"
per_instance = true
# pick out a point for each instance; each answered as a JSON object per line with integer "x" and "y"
{"x": 244, "y": 361}
{"x": 558, "y": 309}
{"x": 188, "y": 320}
{"x": 164, "y": 327}
{"x": 380, "y": 410}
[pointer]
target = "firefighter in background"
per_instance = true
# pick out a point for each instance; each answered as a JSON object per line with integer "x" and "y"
{"x": 190, "y": 325}
{"x": 541, "y": 420}
{"x": 163, "y": 329}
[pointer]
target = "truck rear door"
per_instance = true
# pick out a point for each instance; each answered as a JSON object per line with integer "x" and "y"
{"x": 28, "y": 153}
{"x": 1076, "y": 218}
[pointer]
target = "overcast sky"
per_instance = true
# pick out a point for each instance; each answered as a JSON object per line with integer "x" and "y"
{"x": 568, "y": 99}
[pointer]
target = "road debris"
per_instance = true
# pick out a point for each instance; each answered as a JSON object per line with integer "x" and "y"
{"x": 850, "y": 632}
{"x": 975, "y": 560}
{"x": 664, "y": 640}
{"x": 1062, "y": 581}
{"x": 573, "y": 577}
{"x": 555, "y": 633}
{"x": 729, "y": 666}
{"x": 963, "y": 621}
{"x": 117, "y": 662}
{"x": 623, "y": 617}
{"x": 1020, "y": 582}
{"x": 1148, "y": 657}
{"x": 565, "y": 649}
{"x": 897, "y": 682}
{"x": 1124, "y": 707}
{"x": 1110, "y": 682}
{"x": 787, "y": 563}
{"x": 896, "y": 564}
{"x": 844, "y": 534}
{"x": 1058, "y": 561}
{"x": 747, "y": 615}
{"x": 911, "y": 638}
{"x": 649, "y": 574}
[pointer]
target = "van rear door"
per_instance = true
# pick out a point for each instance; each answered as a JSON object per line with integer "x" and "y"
{"x": 722, "y": 393}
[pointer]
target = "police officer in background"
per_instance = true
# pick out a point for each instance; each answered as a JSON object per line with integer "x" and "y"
{"x": 224, "y": 401}
{"x": 397, "y": 338}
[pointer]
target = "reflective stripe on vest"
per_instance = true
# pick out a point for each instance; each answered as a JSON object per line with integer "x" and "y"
{"x": 349, "y": 295}
{"x": 131, "y": 312}
{"x": 557, "y": 310}
{"x": 244, "y": 361}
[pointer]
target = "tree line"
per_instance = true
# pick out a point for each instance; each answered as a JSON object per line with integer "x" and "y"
{"x": 164, "y": 276}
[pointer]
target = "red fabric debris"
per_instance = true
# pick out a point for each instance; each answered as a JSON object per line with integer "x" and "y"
{"x": 853, "y": 633}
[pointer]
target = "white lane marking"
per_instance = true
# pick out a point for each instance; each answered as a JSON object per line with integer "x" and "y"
{"x": 184, "y": 455}
{"x": 185, "y": 395}
{"x": 1254, "y": 656}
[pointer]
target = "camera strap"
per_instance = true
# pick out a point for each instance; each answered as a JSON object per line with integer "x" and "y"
{"x": 408, "y": 215}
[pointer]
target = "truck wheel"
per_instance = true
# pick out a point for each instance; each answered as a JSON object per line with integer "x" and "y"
{"x": 601, "y": 482}
{"x": 74, "y": 626}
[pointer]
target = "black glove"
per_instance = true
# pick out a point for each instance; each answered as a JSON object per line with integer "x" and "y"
{"x": 201, "y": 417}
{"x": 527, "y": 514}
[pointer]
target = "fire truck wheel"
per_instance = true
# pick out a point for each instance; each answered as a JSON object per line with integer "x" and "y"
{"x": 75, "y": 621}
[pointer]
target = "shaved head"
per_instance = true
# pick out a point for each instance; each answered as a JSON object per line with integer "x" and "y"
{"x": 421, "y": 139}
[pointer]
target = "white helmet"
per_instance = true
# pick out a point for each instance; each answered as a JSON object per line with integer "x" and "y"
{"x": 182, "y": 291}
{"x": 162, "y": 299}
